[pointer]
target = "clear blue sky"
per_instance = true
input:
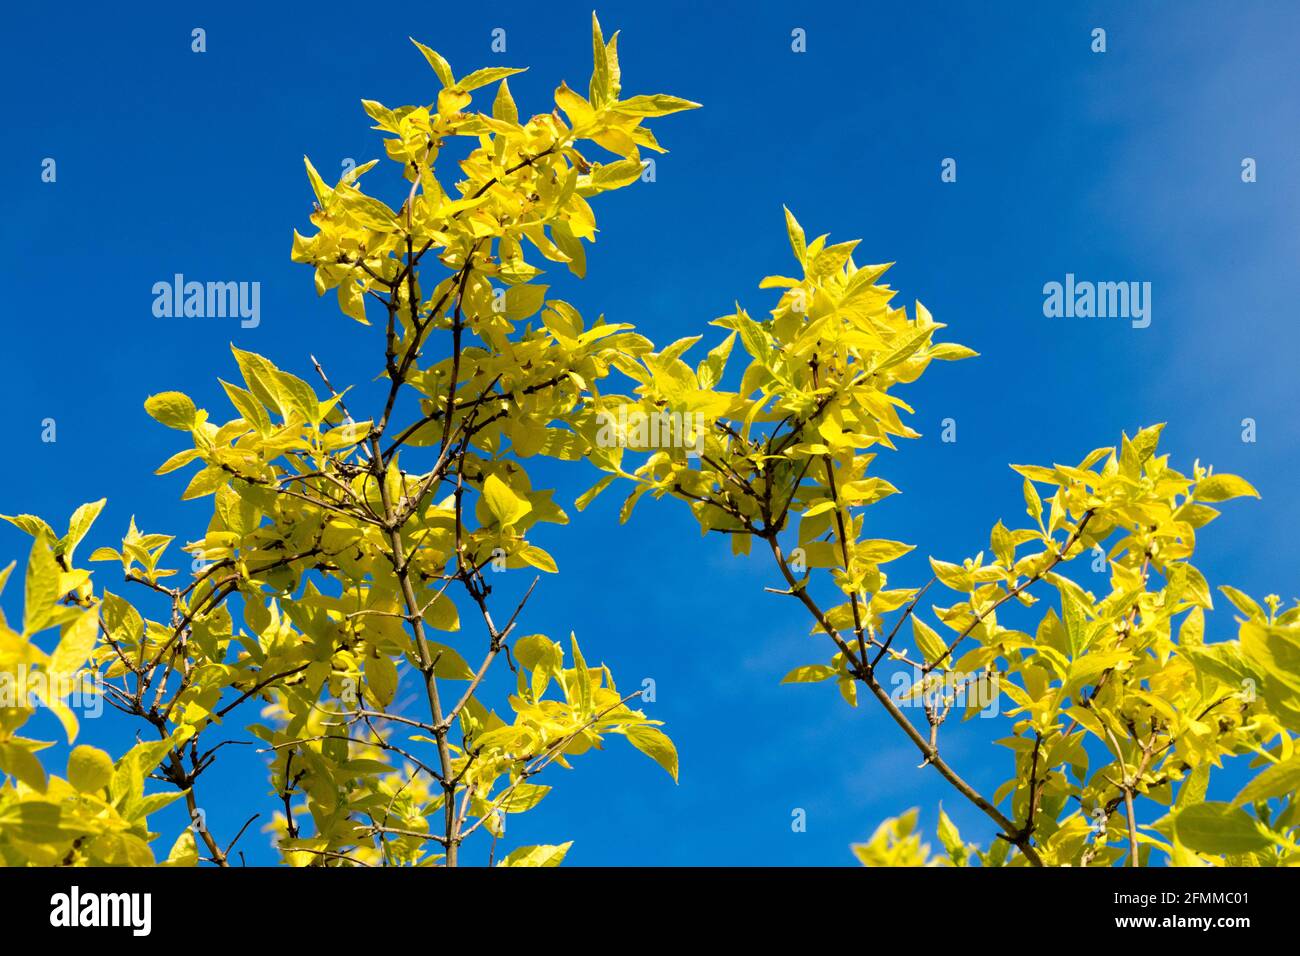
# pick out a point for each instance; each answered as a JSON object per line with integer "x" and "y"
{"x": 1117, "y": 166}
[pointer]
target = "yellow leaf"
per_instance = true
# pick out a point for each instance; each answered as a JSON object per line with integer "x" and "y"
{"x": 18, "y": 760}
{"x": 502, "y": 502}
{"x": 657, "y": 104}
{"x": 1223, "y": 487}
{"x": 43, "y": 575}
{"x": 75, "y": 647}
{"x": 579, "y": 110}
{"x": 797, "y": 241}
{"x": 442, "y": 614}
{"x": 381, "y": 678}
{"x": 808, "y": 674}
{"x": 79, "y": 524}
{"x": 185, "y": 851}
{"x": 544, "y": 855}
{"x": 655, "y": 744}
{"x": 487, "y": 75}
{"x": 352, "y": 300}
{"x": 89, "y": 768}
{"x": 880, "y": 551}
{"x": 173, "y": 409}
{"x": 440, "y": 66}
{"x": 600, "y": 73}
{"x": 928, "y": 640}
{"x": 538, "y": 558}
{"x": 523, "y": 301}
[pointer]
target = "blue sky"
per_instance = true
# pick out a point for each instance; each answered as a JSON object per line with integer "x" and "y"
{"x": 1118, "y": 166}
